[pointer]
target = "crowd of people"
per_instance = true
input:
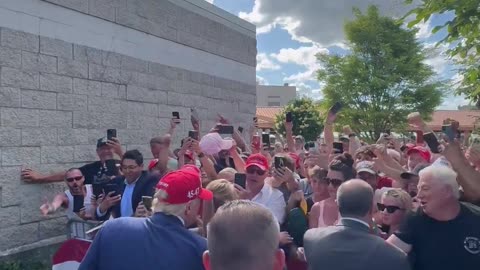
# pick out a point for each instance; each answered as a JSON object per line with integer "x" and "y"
{"x": 239, "y": 200}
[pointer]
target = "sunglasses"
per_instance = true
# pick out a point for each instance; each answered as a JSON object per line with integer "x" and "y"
{"x": 76, "y": 178}
{"x": 334, "y": 182}
{"x": 253, "y": 170}
{"x": 390, "y": 208}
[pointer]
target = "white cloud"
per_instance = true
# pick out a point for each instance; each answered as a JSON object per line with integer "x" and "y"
{"x": 437, "y": 58}
{"x": 261, "y": 80}
{"x": 265, "y": 63}
{"x": 452, "y": 102}
{"x": 320, "y": 21}
{"x": 424, "y": 29}
{"x": 302, "y": 56}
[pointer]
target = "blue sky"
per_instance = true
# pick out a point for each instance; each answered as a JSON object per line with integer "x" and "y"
{"x": 290, "y": 33}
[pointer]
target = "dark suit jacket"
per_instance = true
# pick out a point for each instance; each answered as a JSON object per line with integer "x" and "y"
{"x": 158, "y": 242}
{"x": 145, "y": 186}
{"x": 350, "y": 245}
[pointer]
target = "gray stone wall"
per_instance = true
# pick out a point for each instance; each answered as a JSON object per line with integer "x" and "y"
{"x": 57, "y": 98}
{"x": 164, "y": 19}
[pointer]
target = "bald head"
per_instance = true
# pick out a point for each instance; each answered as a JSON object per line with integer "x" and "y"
{"x": 355, "y": 198}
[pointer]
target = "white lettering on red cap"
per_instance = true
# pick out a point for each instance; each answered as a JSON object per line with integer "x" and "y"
{"x": 163, "y": 184}
{"x": 193, "y": 193}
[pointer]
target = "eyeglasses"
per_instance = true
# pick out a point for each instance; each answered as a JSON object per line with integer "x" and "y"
{"x": 390, "y": 208}
{"x": 130, "y": 168}
{"x": 76, "y": 178}
{"x": 334, "y": 182}
{"x": 252, "y": 170}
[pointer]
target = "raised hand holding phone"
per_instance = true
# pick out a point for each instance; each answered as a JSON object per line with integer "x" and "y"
{"x": 333, "y": 111}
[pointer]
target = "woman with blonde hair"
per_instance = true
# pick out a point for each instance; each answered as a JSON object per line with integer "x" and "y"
{"x": 223, "y": 191}
{"x": 394, "y": 205}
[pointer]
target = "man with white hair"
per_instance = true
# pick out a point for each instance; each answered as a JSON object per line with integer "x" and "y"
{"x": 160, "y": 241}
{"x": 443, "y": 233}
{"x": 243, "y": 235}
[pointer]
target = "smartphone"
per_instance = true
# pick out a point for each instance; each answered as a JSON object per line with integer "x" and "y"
{"x": 279, "y": 162}
{"x": 338, "y": 146}
{"x": 107, "y": 188}
{"x": 289, "y": 117}
{"x": 266, "y": 140}
{"x": 448, "y": 130}
{"x": 225, "y": 130}
{"x": 147, "y": 201}
{"x": 111, "y": 133}
{"x": 193, "y": 134}
{"x": 309, "y": 145}
{"x": 112, "y": 168}
{"x": 240, "y": 179}
{"x": 78, "y": 201}
{"x": 176, "y": 117}
{"x": 336, "y": 108}
{"x": 240, "y": 129}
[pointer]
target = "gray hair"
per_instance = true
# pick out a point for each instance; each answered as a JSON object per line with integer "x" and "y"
{"x": 355, "y": 198}
{"x": 443, "y": 175}
{"x": 159, "y": 205}
{"x": 243, "y": 235}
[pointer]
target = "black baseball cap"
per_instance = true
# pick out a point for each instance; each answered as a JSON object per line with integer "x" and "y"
{"x": 101, "y": 142}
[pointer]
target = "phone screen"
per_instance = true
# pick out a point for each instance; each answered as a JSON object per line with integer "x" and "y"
{"x": 193, "y": 134}
{"x": 107, "y": 188}
{"x": 448, "y": 130}
{"x": 78, "y": 201}
{"x": 147, "y": 202}
{"x": 338, "y": 146}
{"x": 111, "y": 133}
{"x": 176, "y": 116}
{"x": 240, "y": 179}
{"x": 111, "y": 165}
{"x": 266, "y": 140}
{"x": 279, "y": 162}
{"x": 336, "y": 107}
{"x": 288, "y": 117}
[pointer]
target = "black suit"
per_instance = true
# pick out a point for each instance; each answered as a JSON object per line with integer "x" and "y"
{"x": 350, "y": 245}
{"x": 145, "y": 186}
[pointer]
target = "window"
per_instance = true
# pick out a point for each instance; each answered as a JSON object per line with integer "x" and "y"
{"x": 273, "y": 96}
{"x": 276, "y": 104}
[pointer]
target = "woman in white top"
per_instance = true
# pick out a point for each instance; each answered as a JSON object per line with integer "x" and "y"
{"x": 74, "y": 180}
{"x": 325, "y": 213}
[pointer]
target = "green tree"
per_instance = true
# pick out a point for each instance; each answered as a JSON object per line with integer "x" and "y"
{"x": 382, "y": 80}
{"x": 307, "y": 120}
{"x": 463, "y": 38}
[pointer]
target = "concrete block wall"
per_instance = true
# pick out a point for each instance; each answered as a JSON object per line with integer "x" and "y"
{"x": 62, "y": 86}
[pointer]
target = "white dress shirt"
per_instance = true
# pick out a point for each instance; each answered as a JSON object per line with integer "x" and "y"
{"x": 273, "y": 200}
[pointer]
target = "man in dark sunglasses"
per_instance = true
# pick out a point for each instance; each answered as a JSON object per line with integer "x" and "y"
{"x": 257, "y": 191}
{"x": 76, "y": 200}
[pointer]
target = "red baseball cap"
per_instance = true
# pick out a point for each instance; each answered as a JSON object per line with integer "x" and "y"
{"x": 258, "y": 160}
{"x": 424, "y": 152}
{"x": 296, "y": 159}
{"x": 183, "y": 186}
{"x": 152, "y": 164}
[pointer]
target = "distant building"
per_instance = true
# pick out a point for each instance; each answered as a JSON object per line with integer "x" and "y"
{"x": 275, "y": 96}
